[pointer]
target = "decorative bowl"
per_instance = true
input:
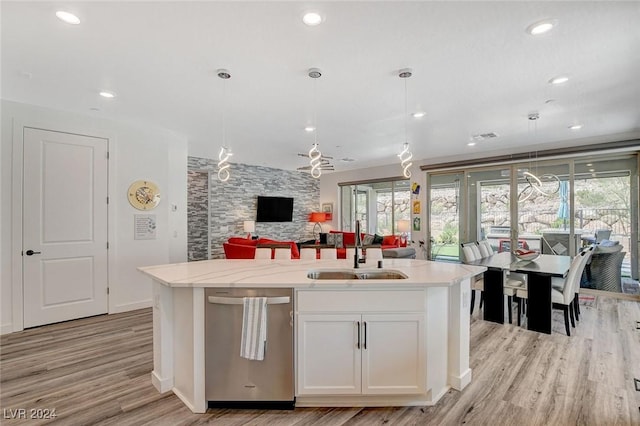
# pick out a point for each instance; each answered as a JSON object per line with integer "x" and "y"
{"x": 526, "y": 254}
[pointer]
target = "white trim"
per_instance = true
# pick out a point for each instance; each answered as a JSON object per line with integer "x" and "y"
{"x": 17, "y": 298}
{"x": 162, "y": 385}
{"x": 460, "y": 382}
{"x": 190, "y": 406}
{"x": 6, "y": 328}
{"x": 126, "y": 307}
{"x": 366, "y": 401}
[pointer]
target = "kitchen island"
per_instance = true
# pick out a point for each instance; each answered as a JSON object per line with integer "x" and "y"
{"x": 418, "y": 328}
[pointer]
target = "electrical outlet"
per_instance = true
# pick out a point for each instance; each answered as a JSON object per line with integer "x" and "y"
{"x": 156, "y": 301}
{"x": 465, "y": 299}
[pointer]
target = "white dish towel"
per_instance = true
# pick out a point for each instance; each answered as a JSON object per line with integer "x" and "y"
{"x": 254, "y": 328}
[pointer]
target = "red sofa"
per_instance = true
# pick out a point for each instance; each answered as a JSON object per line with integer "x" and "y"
{"x": 245, "y": 248}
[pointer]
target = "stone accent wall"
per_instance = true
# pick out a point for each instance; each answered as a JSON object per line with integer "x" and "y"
{"x": 234, "y": 201}
{"x": 197, "y": 215}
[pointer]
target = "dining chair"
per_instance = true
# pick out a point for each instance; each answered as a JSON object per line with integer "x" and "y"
{"x": 308, "y": 253}
{"x": 564, "y": 299}
{"x": 374, "y": 253}
{"x": 328, "y": 253}
{"x": 282, "y": 253}
{"x": 263, "y": 253}
{"x": 469, "y": 254}
{"x": 559, "y": 283}
{"x": 485, "y": 248}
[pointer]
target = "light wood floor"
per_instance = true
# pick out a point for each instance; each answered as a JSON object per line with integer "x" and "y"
{"x": 97, "y": 371}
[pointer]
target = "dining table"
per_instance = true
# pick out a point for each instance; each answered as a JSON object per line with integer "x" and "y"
{"x": 539, "y": 272}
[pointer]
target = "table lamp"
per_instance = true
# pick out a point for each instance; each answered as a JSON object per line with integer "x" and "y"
{"x": 249, "y": 226}
{"x": 318, "y": 218}
{"x": 404, "y": 226}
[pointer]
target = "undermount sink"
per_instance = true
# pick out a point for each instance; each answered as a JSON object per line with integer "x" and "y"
{"x": 342, "y": 274}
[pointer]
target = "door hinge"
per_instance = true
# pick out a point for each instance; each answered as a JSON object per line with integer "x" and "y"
{"x": 107, "y": 290}
{"x": 107, "y": 200}
{"x": 107, "y": 245}
{"x": 107, "y": 155}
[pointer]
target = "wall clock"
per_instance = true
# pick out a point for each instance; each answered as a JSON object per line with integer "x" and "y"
{"x": 143, "y": 195}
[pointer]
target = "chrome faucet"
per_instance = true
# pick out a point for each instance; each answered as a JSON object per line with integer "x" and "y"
{"x": 357, "y": 260}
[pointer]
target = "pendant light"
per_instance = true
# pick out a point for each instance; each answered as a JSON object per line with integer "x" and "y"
{"x": 223, "y": 156}
{"x": 405, "y": 155}
{"x": 534, "y": 183}
{"x": 315, "y": 156}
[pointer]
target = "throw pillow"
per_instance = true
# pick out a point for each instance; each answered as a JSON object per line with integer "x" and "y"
{"x": 368, "y": 239}
{"x": 377, "y": 239}
{"x": 330, "y": 239}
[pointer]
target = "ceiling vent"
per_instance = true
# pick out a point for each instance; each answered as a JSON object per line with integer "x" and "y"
{"x": 484, "y": 136}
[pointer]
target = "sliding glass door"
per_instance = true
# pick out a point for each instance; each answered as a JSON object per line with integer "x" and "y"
{"x": 445, "y": 211}
{"x": 554, "y": 207}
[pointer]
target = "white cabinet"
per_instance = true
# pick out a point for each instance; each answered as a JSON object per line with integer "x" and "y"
{"x": 360, "y": 352}
{"x": 393, "y": 354}
{"x": 329, "y": 360}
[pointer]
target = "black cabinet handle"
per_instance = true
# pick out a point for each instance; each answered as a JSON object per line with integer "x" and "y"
{"x": 31, "y": 252}
{"x": 358, "y": 325}
{"x": 365, "y": 334}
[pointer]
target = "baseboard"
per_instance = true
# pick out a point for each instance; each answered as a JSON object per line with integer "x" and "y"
{"x": 131, "y": 306}
{"x": 190, "y": 404}
{"x": 6, "y": 328}
{"x": 365, "y": 401}
{"x": 460, "y": 382}
{"x": 161, "y": 385}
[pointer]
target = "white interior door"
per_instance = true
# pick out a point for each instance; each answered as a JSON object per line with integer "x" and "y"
{"x": 64, "y": 226}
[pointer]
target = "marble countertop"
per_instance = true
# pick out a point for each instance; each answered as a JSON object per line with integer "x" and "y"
{"x": 293, "y": 273}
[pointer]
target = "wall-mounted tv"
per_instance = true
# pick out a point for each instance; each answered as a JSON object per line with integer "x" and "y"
{"x": 274, "y": 209}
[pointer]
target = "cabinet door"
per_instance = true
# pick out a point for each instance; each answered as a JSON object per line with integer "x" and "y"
{"x": 393, "y": 354}
{"x": 328, "y": 355}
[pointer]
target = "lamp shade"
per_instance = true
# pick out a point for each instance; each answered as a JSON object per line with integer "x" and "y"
{"x": 404, "y": 225}
{"x": 249, "y": 226}
{"x": 318, "y": 217}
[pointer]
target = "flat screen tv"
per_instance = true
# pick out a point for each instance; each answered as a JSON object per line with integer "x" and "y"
{"x": 274, "y": 209}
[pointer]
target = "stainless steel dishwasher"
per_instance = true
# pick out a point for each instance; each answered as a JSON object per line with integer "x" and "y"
{"x": 234, "y": 381}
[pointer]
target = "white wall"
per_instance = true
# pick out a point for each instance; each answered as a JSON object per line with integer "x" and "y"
{"x": 330, "y": 193}
{"x": 136, "y": 152}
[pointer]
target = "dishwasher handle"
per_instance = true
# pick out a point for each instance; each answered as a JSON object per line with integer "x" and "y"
{"x": 218, "y": 300}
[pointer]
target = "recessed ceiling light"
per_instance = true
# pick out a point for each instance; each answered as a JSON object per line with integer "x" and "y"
{"x": 589, "y": 164}
{"x": 309, "y": 129}
{"x": 312, "y": 18}
{"x": 106, "y": 94}
{"x": 575, "y": 127}
{"x": 471, "y": 144}
{"x": 592, "y": 170}
{"x": 541, "y": 27}
{"x": 559, "y": 80}
{"x": 418, "y": 114}
{"x": 67, "y": 17}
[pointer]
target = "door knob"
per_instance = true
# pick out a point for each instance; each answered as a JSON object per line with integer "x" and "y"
{"x": 31, "y": 252}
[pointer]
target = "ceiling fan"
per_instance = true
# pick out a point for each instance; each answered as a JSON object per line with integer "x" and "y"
{"x": 325, "y": 164}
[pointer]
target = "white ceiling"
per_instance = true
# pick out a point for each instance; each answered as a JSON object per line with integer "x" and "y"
{"x": 475, "y": 70}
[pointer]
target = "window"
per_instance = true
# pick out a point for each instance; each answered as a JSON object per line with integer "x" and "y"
{"x": 377, "y": 205}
